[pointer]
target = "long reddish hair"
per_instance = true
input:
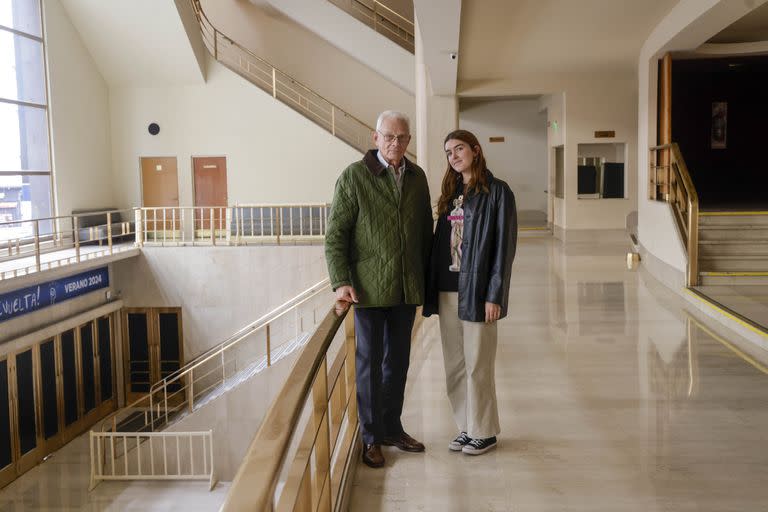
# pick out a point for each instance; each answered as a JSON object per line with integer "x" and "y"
{"x": 478, "y": 180}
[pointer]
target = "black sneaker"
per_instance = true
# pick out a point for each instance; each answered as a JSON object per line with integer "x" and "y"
{"x": 457, "y": 444}
{"x": 478, "y": 446}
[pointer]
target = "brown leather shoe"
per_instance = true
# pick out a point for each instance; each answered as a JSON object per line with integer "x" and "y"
{"x": 372, "y": 455}
{"x": 404, "y": 442}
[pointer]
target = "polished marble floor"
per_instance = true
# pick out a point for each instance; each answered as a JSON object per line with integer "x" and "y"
{"x": 614, "y": 395}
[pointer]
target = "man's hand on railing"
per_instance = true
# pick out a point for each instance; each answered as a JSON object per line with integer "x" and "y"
{"x": 346, "y": 293}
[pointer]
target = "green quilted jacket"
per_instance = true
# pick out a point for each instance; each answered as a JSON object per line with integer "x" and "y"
{"x": 377, "y": 239}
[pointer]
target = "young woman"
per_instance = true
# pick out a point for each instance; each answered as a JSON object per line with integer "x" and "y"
{"x": 468, "y": 286}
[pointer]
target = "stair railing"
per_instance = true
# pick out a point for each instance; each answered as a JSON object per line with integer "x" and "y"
{"x": 670, "y": 181}
{"x": 392, "y": 25}
{"x": 284, "y": 87}
{"x": 260, "y": 342}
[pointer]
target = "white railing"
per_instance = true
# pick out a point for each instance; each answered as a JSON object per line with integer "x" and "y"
{"x": 152, "y": 456}
{"x": 254, "y": 347}
{"x": 28, "y": 246}
{"x": 236, "y": 225}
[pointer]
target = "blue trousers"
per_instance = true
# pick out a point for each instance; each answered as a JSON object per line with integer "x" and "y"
{"x": 381, "y": 358}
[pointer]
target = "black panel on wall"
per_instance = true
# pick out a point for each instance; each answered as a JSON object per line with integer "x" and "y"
{"x": 586, "y": 179}
{"x": 739, "y": 172}
{"x": 613, "y": 180}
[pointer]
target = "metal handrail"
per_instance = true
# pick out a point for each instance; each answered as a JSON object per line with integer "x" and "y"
{"x": 243, "y": 333}
{"x": 379, "y": 17}
{"x": 670, "y": 181}
{"x": 328, "y": 393}
{"x": 163, "y": 400}
{"x": 64, "y": 232}
{"x": 328, "y": 115}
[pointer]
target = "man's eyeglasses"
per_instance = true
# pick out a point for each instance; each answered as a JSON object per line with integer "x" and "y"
{"x": 390, "y": 138}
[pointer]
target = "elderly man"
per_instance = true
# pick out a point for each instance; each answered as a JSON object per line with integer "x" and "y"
{"x": 377, "y": 245}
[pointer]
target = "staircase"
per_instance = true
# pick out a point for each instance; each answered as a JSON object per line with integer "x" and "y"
{"x": 733, "y": 248}
{"x": 384, "y": 20}
{"x": 283, "y": 87}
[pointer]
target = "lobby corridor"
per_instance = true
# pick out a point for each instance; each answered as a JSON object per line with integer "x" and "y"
{"x": 614, "y": 395}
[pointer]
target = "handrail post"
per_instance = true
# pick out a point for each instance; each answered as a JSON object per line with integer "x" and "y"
{"x": 693, "y": 243}
{"x": 109, "y": 231}
{"x": 212, "y": 226}
{"x": 215, "y": 43}
{"x": 76, "y": 229}
{"x": 333, "y": 120}
{"x": 139, "y": 227}
{"x": 269, "y": 345}
{"x": 274, "y": 82}
{"x": 191, "y": 399}
{"x": 36, "y": 228}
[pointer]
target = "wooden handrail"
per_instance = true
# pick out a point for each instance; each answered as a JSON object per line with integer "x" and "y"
{"x": 675, "y": 186}
{"x": 256, "y": 480}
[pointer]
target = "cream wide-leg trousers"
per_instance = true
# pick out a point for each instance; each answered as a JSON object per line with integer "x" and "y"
{"x": 469, "y": 352}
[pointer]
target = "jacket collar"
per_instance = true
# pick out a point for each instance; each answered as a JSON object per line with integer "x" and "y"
{"x": 373, "y": 164}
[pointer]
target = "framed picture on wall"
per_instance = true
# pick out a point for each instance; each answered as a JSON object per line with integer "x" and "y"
{"x": 719, "y": 124}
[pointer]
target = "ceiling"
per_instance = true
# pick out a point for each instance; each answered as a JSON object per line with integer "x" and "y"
{"x": 502, "y": 38}
{"x": 136, "y": 43}
{"x": 751, "y": 28}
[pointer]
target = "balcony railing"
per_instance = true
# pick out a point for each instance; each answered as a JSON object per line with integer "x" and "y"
{"x": 28, "y": 246}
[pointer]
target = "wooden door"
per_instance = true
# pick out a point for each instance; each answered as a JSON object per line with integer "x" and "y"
{"x": 210, "y": 175}
{"x": 160, "y": 189}
{"x": 154, "y": 347}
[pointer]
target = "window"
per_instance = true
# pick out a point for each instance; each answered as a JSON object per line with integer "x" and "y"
{"x": 600, "y": 171}
{"x": 25, "y": 167}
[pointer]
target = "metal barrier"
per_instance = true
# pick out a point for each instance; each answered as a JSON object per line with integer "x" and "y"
{"x": 51, "y": 242}
{"x": 236, "y": 225}
{"x": 257, "y": 345}
{"x": 152, "y": 456}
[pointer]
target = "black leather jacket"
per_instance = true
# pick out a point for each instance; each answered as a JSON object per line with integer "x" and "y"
{"x": 488, "y": 248}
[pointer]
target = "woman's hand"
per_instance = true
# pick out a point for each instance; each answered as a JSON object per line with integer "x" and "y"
{"x": 492, "y": 312}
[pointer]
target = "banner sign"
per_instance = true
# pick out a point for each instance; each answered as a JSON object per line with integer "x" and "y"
{"x": 34, "y": 298}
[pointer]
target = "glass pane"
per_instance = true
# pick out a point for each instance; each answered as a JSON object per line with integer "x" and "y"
{"x": 170, "y": 358}
{"x": 69, "y": 376}
{"x": 22, "y": 73}
{"x": 5, "y": 417}
{"x": 89, "y": 378}
{"x": 48, "y": 374}
{"x": 25, "y": 138}
{"x": 138, "y": 346}
{"x": 26, "y": 404}
{"x": 105, "y": 358}
{"x": 24, "y": 197}
{"x": 22, "y": 15}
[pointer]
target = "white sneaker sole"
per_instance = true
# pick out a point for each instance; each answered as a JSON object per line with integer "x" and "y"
{"x": 455, "y": 447}
{"x": 474, "y": 451}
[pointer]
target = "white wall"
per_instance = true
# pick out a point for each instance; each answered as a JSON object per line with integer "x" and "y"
{"x": 79, "y": 110}
{"x": 590, "y": 103}
{"x": 273, "y": 153}
{"x": 521, "y": 160}
{"x": 343, "y": 80}
{"x": 220, "y": 289}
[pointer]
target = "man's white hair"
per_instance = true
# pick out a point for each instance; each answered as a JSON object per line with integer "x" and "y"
{"x": 393, "y": 114}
